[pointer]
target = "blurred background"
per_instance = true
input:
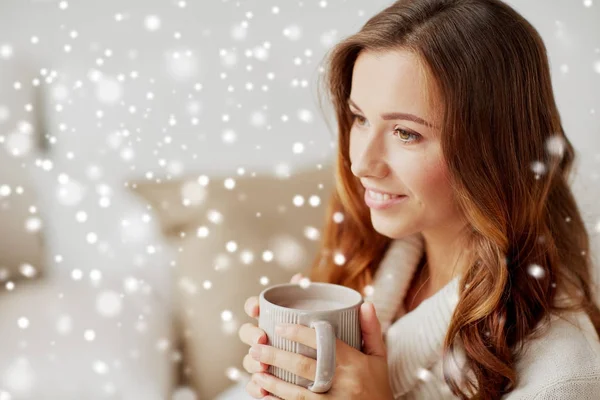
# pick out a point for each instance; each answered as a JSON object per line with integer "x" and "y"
{"x": 163, "y": 160}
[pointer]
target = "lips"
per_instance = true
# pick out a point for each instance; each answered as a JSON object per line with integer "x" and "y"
{"x": 382, "y": 191}
{"x": 381, "y": 196}
{"x": 383, "y": 202}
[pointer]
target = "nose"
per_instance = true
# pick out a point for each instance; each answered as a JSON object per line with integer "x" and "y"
{"x": 370, "y": 160}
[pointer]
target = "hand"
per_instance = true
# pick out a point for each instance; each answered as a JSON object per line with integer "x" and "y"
{"x": 358, "y": 375}
{"x": 251, "y": 334}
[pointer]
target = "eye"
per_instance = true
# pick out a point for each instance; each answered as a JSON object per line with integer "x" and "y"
{"x": 359, "y": 118}
{"x": 405, "y": 135}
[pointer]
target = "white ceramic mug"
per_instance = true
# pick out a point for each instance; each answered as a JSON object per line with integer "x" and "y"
{"x": 332, "y": 310}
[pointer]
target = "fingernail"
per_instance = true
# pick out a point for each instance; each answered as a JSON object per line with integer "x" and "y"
{"x": 255, "y": 352}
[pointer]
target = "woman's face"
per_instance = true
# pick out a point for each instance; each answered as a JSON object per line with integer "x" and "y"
{"x": 395, "y": 154}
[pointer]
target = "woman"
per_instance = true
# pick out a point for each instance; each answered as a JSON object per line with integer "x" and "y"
{"x": 476, "y": 258}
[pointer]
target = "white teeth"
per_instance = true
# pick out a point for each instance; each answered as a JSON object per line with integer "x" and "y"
{"x": 380, "y": 196}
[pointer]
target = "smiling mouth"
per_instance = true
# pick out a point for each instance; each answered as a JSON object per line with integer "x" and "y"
{"x": 382, "y": 196}
{"x": 381, "y": 202}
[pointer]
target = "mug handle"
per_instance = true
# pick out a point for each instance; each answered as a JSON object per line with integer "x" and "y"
{"x": 325, "y": 356}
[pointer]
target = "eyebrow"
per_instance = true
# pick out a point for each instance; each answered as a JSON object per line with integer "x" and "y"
{"x": 397, "y": 115}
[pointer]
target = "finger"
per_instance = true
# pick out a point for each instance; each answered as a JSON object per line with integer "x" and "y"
{"x": 251, "y": 334}
{"x": 308, "y": 337}
{"x": 254, "y": 389}
{"x": 251, "y": 307}
{"x": 295, "y": 363}
{"x": 298, "y": 333}
{"x": 374, "y": 345}
{"x": 283, "y": 389}
{"x": 296, "y": 278}
{"x": 252, "y": 366}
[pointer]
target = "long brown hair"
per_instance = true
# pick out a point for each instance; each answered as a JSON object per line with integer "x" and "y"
{"x": 490, "y": 68}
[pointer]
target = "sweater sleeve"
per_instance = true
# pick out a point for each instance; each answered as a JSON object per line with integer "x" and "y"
{"x": 582, "y": 388}
{"x": 571, "y": 389}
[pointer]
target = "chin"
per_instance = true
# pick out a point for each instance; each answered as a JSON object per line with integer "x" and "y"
{"x": 392, "y": 227}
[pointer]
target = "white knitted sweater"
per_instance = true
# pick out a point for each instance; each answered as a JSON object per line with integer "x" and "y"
{"x": 564, "y": 363}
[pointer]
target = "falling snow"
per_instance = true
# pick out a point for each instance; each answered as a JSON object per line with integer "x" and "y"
{"x": 536, "y": 271}
{"x": 149, "y": 99}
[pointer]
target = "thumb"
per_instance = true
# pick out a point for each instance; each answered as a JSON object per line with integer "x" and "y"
{"x": 374, "y": 344}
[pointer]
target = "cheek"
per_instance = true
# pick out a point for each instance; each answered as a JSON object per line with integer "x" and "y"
{"x": 431, "y": 185}
{"x": 353, "y": 145}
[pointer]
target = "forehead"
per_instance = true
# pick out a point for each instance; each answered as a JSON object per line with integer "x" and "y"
{"x": 390, "y": 81}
